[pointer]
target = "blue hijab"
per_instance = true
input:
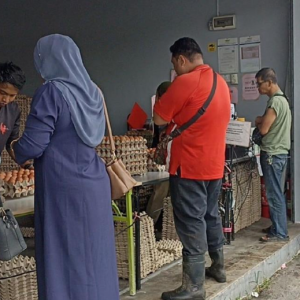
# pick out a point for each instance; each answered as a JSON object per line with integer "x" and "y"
{"x": 58, "y": 60}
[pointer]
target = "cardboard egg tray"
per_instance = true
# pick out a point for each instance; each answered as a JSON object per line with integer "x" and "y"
{"x": 168, "y": 227}
{"x": 164, "y": 258}
{"x": 153, "y": 254}
{"x": 151, "y": 165}
{"x": 18, "y": 279}
{"x": 15, "y": 187}
{"x": 27, "y": 232}
{"x": 24, "y": 103}
{"x": 131, "y": 150}
{"x": 170, "y": 246}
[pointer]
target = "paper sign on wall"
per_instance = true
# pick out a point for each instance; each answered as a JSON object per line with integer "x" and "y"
{"x": 250, "y": 39}
{"x": 250, "y": 57}
{"x": 211, "y": 47}
{"x": 228, "y": 57}
{"x": 250, "y": 90}
{"x": 228, "y": 42}
{"x": 238, "y": 133}
{"x": 234, "y": 94}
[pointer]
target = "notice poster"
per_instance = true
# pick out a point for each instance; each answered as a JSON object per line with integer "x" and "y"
{"x": 228, "y": 58}
{"x": 238, "y": 133}
{"x": 249, "y": 88}
{"x": 250, "y": 56}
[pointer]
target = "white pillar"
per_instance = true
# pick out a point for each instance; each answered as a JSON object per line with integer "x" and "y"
{"x": 295, "y": 166}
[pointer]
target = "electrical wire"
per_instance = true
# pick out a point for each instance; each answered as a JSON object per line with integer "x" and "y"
{"x": 250, "y": 166}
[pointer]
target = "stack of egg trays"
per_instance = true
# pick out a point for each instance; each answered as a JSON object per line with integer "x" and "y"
{"x": 18, "y": 279}
{"x": 131, "y": 150}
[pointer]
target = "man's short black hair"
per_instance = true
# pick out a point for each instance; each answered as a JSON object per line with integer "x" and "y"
{"x": 10, "y": 73}
{"x": 187, "y": 47}
{"x": 267, "y": 74}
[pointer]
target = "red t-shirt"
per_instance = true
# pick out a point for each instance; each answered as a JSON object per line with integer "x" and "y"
{"x": 199, "y": 151}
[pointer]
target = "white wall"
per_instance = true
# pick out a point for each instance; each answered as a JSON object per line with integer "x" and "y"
{"x": 125, "y": 44}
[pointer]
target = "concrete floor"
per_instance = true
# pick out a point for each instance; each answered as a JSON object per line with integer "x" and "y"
{"x": 284, "y": 285}
{"x": 248, "y": 262}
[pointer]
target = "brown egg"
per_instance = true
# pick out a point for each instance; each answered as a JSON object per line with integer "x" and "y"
{"x": 31, "y": 171}
{"x": 7, "y": 177}
{"x": 15, "y": 172}
{"x": 27, "y": 172}
{"x": 31, "y": 176}
{"x": 25, "y": 177}
{"x": 12, "y": 181}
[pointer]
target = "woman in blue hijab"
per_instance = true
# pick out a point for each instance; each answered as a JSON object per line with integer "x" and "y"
{"x": 75, "y": 247}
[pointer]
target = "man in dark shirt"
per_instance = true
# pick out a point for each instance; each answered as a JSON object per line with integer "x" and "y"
{"x": 12, "y": 80}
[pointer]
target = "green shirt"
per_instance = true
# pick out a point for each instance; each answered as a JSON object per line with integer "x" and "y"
{"x": 278, "y": 139}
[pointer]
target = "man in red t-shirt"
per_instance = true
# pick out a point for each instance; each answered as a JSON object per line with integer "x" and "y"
{"x": 196, "y": 165}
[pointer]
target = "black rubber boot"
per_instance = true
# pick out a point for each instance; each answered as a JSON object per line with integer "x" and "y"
{"x": 216, "y": 270}
{"x": 193, "y": 276}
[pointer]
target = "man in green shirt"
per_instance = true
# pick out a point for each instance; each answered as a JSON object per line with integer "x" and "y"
{"x": 275, "y": 126}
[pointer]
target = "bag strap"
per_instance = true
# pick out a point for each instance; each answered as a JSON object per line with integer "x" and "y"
{"x": 282, "y": 95}
{"x": 200, "y": 112}
{"x": 110, "y": 136}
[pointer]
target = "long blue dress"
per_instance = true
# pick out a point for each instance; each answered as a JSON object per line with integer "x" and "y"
{"x": 74, "y": 234}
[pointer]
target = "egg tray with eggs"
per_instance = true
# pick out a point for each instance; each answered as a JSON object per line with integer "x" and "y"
{"x": 18, "y": 183}
{"x": 126, "y": 142}
{"x": 151, "y": 165}
{"x": 146, "y": 134}
{"x": 131, "y": 150}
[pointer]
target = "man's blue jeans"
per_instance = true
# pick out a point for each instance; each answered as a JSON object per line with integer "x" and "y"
{"x": 274, "y": 169}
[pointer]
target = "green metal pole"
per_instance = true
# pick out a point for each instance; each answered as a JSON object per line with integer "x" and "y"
{"x": 132, "y": 282}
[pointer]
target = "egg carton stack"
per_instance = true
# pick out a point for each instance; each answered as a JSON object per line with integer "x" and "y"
{"x": 121, "y": 249}
{"x": 168, "y": 227}
{"x": 171, "y": 246}
{"x": 18, "y": 279}
{"x": 131, "y": 150}
{"x": 149, "y": 252}
{"x": 246, "y": 192}
{"x": 146, "y": 134}
{"x": 151, "y": 165}
{"x": 27, "y": 232}
{"x": 151, "y": 257}
{"x": 18, "y": 183}
{"x": 24, "y": 103}
{"x": 256, "y": 197}
{"x": 145, "y": 193}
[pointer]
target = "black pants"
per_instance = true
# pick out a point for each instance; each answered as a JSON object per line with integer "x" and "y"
{"x": 197, "y": 222}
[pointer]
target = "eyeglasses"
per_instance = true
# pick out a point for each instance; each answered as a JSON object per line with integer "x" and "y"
{"x": 258, "y": 84}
